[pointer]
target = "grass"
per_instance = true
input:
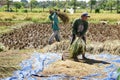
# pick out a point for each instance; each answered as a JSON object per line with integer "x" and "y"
{"x": 9, "y": 62}
{"x": 4, "y": 29}
{"x": 43, "y": 17}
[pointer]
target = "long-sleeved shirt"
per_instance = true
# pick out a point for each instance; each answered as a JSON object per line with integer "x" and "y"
{"x": 80, "y": 27}
{"x": 53, "y": 17}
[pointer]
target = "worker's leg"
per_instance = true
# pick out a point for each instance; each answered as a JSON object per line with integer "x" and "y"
{"x": 84, "y": 47}
{"x": 73, "y": 38}
{"x": 57, "y": 36}
{"x": 52, "y": 37}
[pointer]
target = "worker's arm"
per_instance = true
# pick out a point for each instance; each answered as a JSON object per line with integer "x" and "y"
{"x": 50, "y": 17}
{"x": 74, "y": 27}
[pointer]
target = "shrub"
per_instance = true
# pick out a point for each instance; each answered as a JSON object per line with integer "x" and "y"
{"x": 97, "y": 10}
{"x": 25, "y": 11}
{"x": 118, "y": 12}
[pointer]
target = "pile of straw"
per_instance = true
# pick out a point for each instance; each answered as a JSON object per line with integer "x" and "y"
{"x": 64, "y": 17}
{"x": 71, "y": 68}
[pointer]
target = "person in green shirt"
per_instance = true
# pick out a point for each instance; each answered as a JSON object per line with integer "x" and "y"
{"x": 54, "y": 18}
{"x": 79, "y": 29}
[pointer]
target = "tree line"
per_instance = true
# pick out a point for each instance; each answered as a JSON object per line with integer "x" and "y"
{"x": 92, "y": 4}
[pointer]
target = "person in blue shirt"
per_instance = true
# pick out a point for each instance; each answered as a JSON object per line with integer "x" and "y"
{"x": 54, "y": 18}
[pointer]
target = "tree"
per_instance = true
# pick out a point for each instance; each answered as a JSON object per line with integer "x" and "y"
{"x": 81, "y": 4}
{"x": 101, "y": 4}
{"x": 75, "y": 5}
{"x": 43, "y": 6}
{"x": 33, "y": 4}
{"x": 8, "y": 4}
{"x": 110, "y": 4}
{"x": 118, "y": 6}
{"x": 73, "y": 2}
{"x": 24, "y": 3}
{"x": 17, "y": 5}
{"x": 92, "y": 2}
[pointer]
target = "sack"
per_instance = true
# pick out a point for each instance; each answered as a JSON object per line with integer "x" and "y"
{"x": 77, "y": 47}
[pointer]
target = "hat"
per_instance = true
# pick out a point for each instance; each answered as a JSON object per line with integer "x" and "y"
{"x": 85, "y": 14}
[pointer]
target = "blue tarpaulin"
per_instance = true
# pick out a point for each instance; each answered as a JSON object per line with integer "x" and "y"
{"x": 39, "y": 61}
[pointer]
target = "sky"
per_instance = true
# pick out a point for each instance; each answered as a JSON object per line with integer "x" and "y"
{"x": 52, "y": 0}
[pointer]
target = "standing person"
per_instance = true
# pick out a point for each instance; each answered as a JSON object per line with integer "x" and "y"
{"x": 54, "y": 18}
{"x": 79, "y": 29}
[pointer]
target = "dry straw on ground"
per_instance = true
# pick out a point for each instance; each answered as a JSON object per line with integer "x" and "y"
{"x": 112, "y": 47}
{"x": 71, "y": 68}
{"x": 10, "y": 60}
{"x": 37, "y": 35}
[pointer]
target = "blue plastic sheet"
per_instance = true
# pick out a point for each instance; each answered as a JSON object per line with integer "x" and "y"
{"x": 39, "y": 61}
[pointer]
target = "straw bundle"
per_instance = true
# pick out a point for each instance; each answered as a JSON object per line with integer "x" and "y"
{"x": 64, "y": 17}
